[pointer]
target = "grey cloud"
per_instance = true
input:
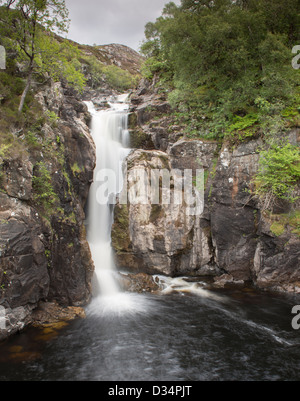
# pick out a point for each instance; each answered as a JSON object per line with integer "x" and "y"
{"x": 112, "y": 21}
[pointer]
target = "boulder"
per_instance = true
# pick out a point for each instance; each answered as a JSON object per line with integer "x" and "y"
{"x": 139, "y": 283}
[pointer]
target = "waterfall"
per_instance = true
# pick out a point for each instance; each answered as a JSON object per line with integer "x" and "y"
{"x": 110, "y": 133}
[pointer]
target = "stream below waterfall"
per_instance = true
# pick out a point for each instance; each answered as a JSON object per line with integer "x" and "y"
{"x": 187, "y": 332}
{"x": 213, "y": 335}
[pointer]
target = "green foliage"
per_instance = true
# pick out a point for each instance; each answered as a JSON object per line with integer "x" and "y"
{"x": 152, "y": 66}
{"x": 94, "y": 69}
{"x": 226, "y": 61}
{"x": 11, "y": 87}
{"x": 28, "y": 25}
{"x": 279, "y": 223}
{"x": 59, "y": 60}
{"x": 44, "y": 194}
{"x": 99, "y": 73}
{"x": 119, "y": 79}
{"x": 27, "y": 16}
{"x": 294, "y": 222}
{"x": 241, "y": 123}
{"x": 242, "y": 128}
{"x": 3, "y": 150}
{"x": 277, "y": 228}
{"x": 52, "y": 118}
{"x": 76, "y": 169}
{"x": 279, "y": 172}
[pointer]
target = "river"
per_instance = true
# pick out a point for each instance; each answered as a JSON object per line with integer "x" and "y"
{"x": 216, "y": 335}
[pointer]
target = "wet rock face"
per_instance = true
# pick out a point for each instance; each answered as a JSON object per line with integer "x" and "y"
{"x": 245, "y": 246}
{"x": 17, "y": 181}
{"x": 24, "y": 273}
{"x": 276, "y": 260}
{"x": 23, "y": 264}
{"x": 44, "y": 254}
{"x": 192, "y": 154}
{"x": 234, "y": 240}
{"x": 234, "y": 172}
{"x": 233, "y": 214}
{"x": 162, "y": 237}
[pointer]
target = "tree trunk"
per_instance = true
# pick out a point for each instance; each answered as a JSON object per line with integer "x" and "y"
{"x": 27, "y": 87}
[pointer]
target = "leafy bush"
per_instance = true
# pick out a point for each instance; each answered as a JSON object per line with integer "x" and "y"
{"x": 279, "y": 173}
{"x": 44, "y": 194}
{"x": 151, "y": 66}
{"x": 241, "y": 123}
{"x": 118, "y": 78}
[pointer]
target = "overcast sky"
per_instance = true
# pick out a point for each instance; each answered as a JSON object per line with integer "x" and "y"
{"x": 112, "y": 21}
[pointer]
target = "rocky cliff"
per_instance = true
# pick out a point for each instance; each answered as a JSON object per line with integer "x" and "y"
{"x": 44, "y": 255}
{"x": 232, "y": 240}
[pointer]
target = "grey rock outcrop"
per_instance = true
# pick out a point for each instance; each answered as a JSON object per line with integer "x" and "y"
{"x": 159, "y": 238}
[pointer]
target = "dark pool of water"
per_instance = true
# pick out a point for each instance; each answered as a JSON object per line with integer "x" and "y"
{"x": 224, "y": 335}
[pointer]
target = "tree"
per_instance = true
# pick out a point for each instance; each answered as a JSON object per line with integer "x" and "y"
{"x": 24, "y": 20}
{"x": 59, "y": 59}
{"x": 221, "y": 56}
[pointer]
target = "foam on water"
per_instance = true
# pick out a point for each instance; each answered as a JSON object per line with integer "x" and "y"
{"x": 120, "y": 304}
{"x": 182, "y": 285}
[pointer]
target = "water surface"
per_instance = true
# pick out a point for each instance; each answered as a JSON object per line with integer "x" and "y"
{"x": 223, "y": 335}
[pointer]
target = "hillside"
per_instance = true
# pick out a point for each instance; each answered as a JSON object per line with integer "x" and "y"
{"x": 116, "y": 54}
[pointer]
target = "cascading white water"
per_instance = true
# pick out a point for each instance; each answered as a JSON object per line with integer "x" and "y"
{"x": 110, "y": 133}
{"x": 111, "y": 136}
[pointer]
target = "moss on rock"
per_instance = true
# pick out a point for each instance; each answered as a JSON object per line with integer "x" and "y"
{"x": 120, "y": 231}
